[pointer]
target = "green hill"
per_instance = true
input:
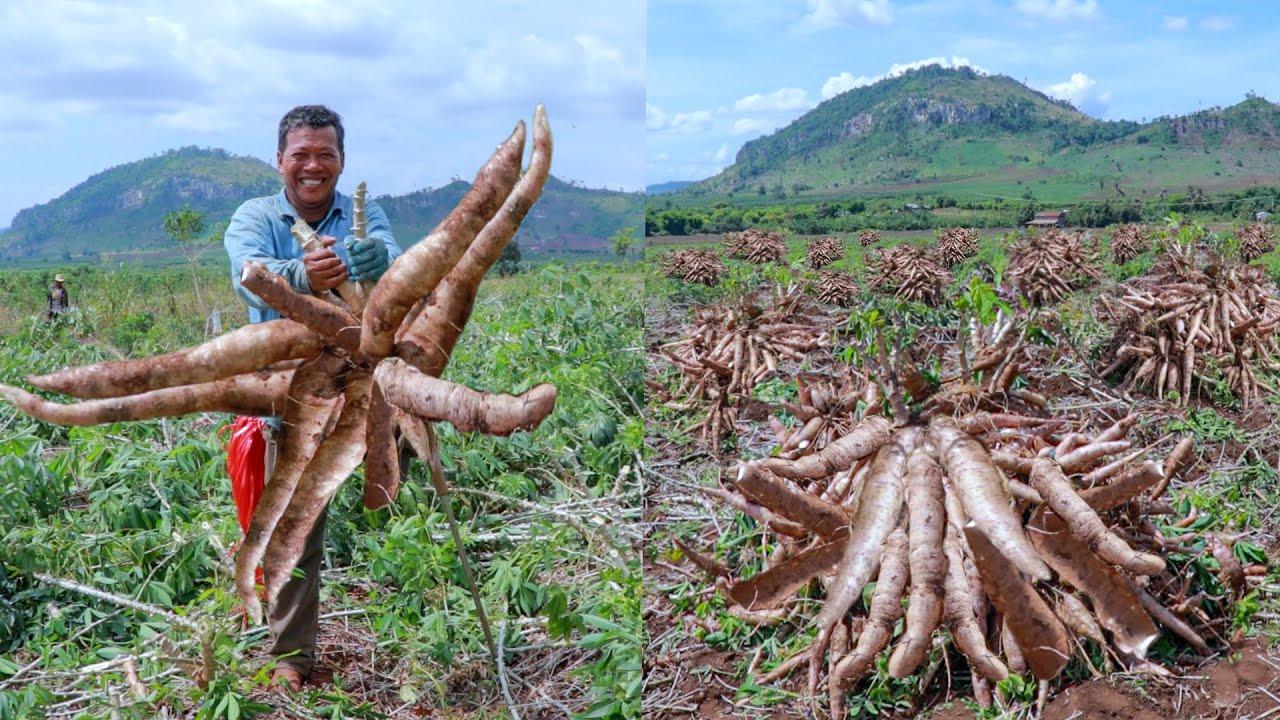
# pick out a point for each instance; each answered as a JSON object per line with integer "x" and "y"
{"x": 937, "y": 131}
{"x": 120, "y": 211}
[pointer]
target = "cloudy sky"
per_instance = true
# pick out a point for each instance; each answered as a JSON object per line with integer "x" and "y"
{"x": 722, "y": 72}
{"x": 426, "y": 89}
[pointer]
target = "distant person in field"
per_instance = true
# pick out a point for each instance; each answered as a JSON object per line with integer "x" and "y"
{"x": 58, "y": 301}
{"x": 309, "y": 157}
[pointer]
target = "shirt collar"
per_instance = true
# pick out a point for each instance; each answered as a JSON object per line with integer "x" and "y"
{"x": 287, "y": 210}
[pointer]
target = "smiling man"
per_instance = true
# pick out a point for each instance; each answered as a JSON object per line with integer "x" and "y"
{"x": 309, "y": 157}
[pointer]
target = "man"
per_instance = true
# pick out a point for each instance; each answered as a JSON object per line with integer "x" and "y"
{"x": 57, "y": 301}
{"x": 310, "y": 158}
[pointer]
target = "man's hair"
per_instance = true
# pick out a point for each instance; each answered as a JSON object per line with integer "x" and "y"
{"x": 315, "y": 117}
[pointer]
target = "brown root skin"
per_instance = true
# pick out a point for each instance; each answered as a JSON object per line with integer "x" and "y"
{"x": 879, "y": 507}
{"x": 468, "y": 410}
{"x": 382, "y": 459}
{"x": 926, "y": 530}
{"x": 866, "y": 438}
{"x": 336, "y": 457}
{"x": 1125, "y": 488}
{"x": 1048, "y": 480}
{"x": 958, "y": 610}
{"x": 240, "y": 351}
{"x": 253, "y": 393}
{"x": 817, "y": 515}
{"x": 1041, "y": 638}
{"x": 417, "y": 272}
{"x": 429, "y": 339}
{"x": 314, "y": 398}
{"x": 334, "y": 324}
{"x": 886, "y": 608}
{"x": 712, "y": 566}
{"x": 1114, "y": 602}
{"x": 983, "y": 495}
{"x": 774, "y": 586}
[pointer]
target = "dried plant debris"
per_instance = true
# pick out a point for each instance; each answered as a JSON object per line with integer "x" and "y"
{"x": 1178, "y": 328}
{"x": 701, "y": 267}
{"x": 342, "y": 374}
{"x": 1256, "y": 239}
{"x": 1046, "y": 266}
{"x": 824, "y": 250}
{"x": 911, "y": 273}
{"x": 756, "y": 246}
{"x": 837, "y": 288}
{"x": 963, "y": 518}
{"x": 955, "y": 245}
{"x": 1128, "y": 241}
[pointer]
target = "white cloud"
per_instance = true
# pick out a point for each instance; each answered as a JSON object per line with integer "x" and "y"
{"x": 1081, "y": 91}
{"x": 1218, "y": 23}
{"x": 746, "y": 126}
{"x": 1174, "y": 24}
{"x": 846, "y": 81}
{"x": 778, "y": 100}
{"x": 722, "y": 153}
{"x": 832, "y": 13}
{"x": 1059, "y": 10}
{"x": 691, "y": 122}
{"x": 654, "y": 118}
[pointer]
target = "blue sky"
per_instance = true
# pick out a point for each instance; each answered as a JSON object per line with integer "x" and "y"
{"x": 426, "y": 89}
{"x": 722, "y": 72}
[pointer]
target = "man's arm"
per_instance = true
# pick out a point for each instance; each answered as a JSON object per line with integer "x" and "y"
{"x": 380, "y": 229}
{"x": 249, "y": 237}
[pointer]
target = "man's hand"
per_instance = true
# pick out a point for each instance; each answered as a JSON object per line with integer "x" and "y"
{"x": 368, "y": 258}
{"x": 325, "y": 270}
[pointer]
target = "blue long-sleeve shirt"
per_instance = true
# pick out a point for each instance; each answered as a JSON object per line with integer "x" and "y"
{"x": 259, "y": 230}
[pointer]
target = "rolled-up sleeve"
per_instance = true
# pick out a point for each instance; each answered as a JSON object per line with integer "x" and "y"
{"x": 249, "y": 238}
{"x": 380, "y": 228}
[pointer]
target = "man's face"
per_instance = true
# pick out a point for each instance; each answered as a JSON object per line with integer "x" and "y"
{"x": 310, "y": 165}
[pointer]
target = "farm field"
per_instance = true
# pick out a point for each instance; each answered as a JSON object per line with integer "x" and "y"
{"x": 116, "y": 540}
{"x": 791, "y": 545}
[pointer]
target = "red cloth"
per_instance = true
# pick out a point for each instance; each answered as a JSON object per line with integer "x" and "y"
{"x": 246, "y": 458}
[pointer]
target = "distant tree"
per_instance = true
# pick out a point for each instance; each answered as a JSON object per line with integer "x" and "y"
{"x": 186, "y": 226}
{"x": 509, "y": 261}
{"x": 623, "y": 241}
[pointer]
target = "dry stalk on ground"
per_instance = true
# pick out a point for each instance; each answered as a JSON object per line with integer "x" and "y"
{"x": 1046, "y": 266}
{"x": 824, "y": 250}
{"x": 910, "y": 272}
{"x": 1179, "y": 326}
{"x": 341, "y": 381}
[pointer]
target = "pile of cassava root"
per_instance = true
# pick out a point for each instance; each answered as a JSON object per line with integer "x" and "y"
{"x": 1023, "y": 540}
{"x": 345, "y": 375}
{"x": 910, "y": 272}
{"x": 1128, "y": 241}
{"x": 837, "y": 288}
{"x": 1256, "y": 239}
{"x": 824, "y": 250}
{"x": 1046, "y": 266}
{"x": 702, "y": 267}
{"x": 1180, "y": 328}
{"x": 730, "y": 348}
{"x": 755, "y": 246}
{"x": 956, "y": 245}
{"x": 868, "y": 237}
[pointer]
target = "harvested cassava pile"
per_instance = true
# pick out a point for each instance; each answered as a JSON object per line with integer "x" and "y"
{"x": 824, "y": 250}
{"x": 755, "y": 246}
{"x": 341, "y": 379}
{"x": 869, "y": 237}
{"x": 910, "y": 273}
{"x": 957, "y": 245}
{"x": 1060, "y": 547}
{"x": 1179, "y": 327}
{"x": 837, "y": 288}
{"x": 1128, "y": 241}
{"x": 1046, "y": 266}
{"x": 731, "y": 348}
{"x": 703, "y": 267}
{"x": 1256, "y": 239}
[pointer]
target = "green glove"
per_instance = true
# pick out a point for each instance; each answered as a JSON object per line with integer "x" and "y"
{"x": 368, "y": 258}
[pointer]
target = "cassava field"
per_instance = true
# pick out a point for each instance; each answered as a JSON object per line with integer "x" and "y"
{"x": 963, "y": 474}
{"x": 116, "y": 540}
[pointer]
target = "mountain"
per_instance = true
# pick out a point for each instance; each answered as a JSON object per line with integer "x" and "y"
{"x": 955, "y": 131}
{"x": 666, "y": 187}
{"x": 121, "y": 209}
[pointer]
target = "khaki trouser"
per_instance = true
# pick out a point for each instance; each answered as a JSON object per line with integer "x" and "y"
{"x": 294, "y": 620}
